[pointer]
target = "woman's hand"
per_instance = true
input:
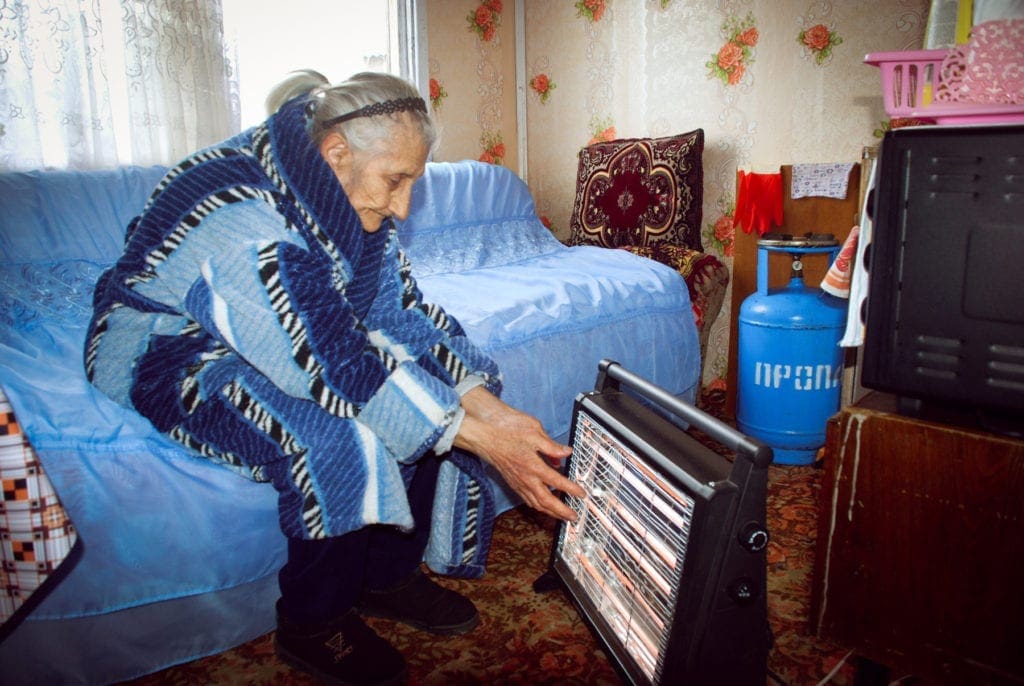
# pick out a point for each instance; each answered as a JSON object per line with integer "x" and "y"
{"x": 517, "y": 446}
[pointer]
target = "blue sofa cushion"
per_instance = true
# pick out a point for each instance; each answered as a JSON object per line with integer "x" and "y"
{"x": 446, "y": 234}
{"x": 546, "y": 313}
{"x": 115, "y": 474}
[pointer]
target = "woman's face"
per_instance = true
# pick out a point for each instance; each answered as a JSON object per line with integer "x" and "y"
{"x": 378, "y": 182}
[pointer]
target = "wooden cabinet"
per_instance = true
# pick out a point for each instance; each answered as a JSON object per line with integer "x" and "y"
{"x": 920, "y": 549}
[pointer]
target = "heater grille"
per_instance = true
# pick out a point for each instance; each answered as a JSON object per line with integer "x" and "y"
{"x": 627, "y": 547}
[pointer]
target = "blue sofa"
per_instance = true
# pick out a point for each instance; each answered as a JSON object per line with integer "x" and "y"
{"x": 179, "y": 556}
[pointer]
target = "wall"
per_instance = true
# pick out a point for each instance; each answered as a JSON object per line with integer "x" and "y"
{"x": 472, "y": 75}
{"x": 620, "y": 68}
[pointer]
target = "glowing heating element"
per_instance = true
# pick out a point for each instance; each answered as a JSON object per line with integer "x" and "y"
{"x": 626, "y": 549}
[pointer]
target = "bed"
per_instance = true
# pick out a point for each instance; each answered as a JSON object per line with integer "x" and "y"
{"x": 173, "y": 558}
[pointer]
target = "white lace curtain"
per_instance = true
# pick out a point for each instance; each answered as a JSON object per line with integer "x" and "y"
{"x": 99, "y": 83}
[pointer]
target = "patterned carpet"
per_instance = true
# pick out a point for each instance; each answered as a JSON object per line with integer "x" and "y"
{"x": 529, "y": 638}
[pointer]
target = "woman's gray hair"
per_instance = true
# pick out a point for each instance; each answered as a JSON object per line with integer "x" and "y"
{"x": 363, "y": 89}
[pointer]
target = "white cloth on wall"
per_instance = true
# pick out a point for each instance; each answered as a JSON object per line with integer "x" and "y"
{"x": 853, "y": 336}
{"x": 825, "y": 180}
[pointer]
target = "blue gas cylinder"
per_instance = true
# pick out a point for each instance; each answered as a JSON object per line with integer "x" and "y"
{"x": 789, "y": 362}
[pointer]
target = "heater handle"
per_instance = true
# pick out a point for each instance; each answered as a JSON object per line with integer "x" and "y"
{"x": 611, "y": 374}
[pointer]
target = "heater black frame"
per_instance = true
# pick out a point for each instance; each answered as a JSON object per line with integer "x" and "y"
{"x": 719, "y": 630}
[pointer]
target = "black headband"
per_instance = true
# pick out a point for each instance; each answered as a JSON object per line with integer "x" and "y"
{"x": 386, "y": 107}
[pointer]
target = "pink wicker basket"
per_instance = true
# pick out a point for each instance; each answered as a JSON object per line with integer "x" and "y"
{"x": 911, "y": 78}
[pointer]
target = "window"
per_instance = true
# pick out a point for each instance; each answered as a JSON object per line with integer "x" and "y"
{"x": 337, "y": 38}
{"x": 116, "y": 82}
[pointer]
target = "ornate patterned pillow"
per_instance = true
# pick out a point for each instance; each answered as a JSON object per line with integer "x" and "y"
{"x": 640, "y": 191}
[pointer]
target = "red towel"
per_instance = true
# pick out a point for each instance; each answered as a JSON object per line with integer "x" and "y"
{"x": 837, "y": 278}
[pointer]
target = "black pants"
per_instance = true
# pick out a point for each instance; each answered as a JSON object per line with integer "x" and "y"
{"x": 322, "y": 578}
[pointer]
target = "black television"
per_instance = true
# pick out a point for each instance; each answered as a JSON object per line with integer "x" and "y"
{"x": 944, "y": 324}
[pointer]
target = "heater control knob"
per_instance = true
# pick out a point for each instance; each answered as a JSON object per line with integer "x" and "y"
{"x": 743, "y": 590}
{"x": 753, "y": 537}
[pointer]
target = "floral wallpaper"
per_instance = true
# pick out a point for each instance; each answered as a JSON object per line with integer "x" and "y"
{"x": 472, "y": 79}
{"x": 771, "y": 82}
{"x": 731, "y": 61}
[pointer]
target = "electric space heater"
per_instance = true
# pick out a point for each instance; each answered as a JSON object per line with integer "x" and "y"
{"x": 666, "y": 561}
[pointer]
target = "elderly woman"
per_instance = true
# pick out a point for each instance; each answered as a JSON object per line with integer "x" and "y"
{"x": 263, "y": 315}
